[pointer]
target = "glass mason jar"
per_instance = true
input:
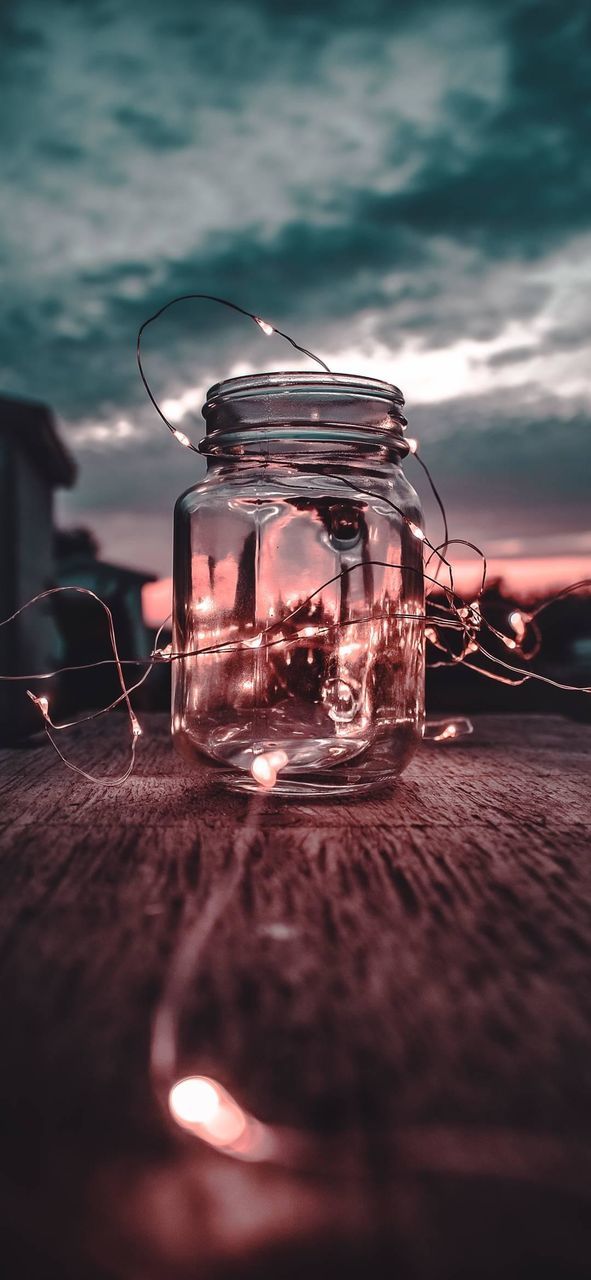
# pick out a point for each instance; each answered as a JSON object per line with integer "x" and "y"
{"x": 298, "y": 588}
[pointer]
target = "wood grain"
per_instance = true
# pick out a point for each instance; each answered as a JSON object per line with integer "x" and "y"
{"x": 404, "y": 979}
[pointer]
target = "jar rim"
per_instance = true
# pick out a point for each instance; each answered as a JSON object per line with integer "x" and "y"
{"x": 302, "y": 381}
{"x": 317, "y": 408}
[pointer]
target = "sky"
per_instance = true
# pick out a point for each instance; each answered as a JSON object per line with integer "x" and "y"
{"x": 404, "y": 187}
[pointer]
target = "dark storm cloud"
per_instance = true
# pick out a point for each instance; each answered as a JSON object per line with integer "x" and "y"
{"x": 377, "y": 177}
{"x": 500, "y": 467}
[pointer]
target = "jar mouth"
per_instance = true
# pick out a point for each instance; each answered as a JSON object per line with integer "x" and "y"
{"x": 313, "y": 406}
{"x": 290, "y": 381}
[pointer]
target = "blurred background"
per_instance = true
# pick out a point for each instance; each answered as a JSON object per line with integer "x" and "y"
{"x": 404, "y": 187}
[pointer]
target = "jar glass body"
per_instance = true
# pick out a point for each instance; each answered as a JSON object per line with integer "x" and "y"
{"x": 298, "y": 591}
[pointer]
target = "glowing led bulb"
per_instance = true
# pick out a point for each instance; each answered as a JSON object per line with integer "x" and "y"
{"x": 41, "y": 702}
{"x": 447, "y": 730}
{"x": 518, "y": 620}
{"x": 194, "y": 1100}
{"x": 265, "y": 326}
{"x": 413, "y": 445}
{"x": 136, "y": 727}
{"x": 266, "y": 766}
{"x": 182, "y": 439}
{"x": 450, "y": 731}
{"x": 255, "y": 642}
{"x": 471, "y": 613}
{"x": 416, "y": 531}
{"x": 203, "y": 1107}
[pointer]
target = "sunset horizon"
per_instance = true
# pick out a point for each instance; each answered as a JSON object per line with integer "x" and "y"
{"x": 527, "y": 579}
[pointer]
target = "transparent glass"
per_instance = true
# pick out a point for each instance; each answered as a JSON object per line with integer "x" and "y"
{"x": 298, "y": 588}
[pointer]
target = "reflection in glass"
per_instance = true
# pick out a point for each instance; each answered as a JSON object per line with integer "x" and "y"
{"x": 299, "y": 588}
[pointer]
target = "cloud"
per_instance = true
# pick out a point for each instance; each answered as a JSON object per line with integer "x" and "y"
{"x": 403, "y": 187}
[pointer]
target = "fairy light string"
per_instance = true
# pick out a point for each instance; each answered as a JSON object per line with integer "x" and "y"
{"x": 42, "y": 702}
{"x": 263, "y": 325}
{"x": 454, "y": 614}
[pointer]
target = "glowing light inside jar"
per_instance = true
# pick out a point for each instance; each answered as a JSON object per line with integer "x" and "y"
{"x": 266, "y": 766}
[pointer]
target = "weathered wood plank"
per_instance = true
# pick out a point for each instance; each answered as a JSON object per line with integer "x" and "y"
{"x": 414, "y": 963}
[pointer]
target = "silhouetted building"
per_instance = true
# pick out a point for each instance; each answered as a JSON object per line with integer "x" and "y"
{"x": 33, "y": 462}
{"x": 84, "y": 625}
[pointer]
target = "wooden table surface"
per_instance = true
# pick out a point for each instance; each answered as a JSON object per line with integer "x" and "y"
{"x": 403, "y": 981}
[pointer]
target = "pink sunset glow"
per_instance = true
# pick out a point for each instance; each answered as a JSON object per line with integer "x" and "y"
{"x": 525, "y": 577}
